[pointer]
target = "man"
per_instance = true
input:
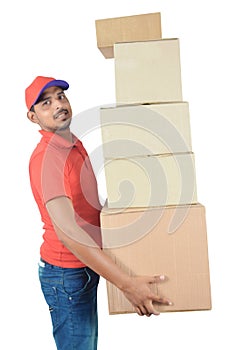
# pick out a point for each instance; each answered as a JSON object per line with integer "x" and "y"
{"x": 65, "y": 190}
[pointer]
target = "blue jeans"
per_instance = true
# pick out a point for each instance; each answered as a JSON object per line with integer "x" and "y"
{"x": 71, "y": 294}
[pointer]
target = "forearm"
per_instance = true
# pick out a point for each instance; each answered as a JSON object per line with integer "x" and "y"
{"x": 95, "y": 258}
{"x": 81, "y": 244}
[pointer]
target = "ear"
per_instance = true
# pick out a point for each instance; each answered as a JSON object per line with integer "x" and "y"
{"x": 32, "y": 117}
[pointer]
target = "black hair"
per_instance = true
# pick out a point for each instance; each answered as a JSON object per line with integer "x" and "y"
{"x": 32, "y": 108}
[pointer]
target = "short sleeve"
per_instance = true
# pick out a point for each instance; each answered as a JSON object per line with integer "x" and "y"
{"x": 49, "y": 174}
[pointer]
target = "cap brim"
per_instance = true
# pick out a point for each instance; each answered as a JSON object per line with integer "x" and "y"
{"x": 60, "y": 83}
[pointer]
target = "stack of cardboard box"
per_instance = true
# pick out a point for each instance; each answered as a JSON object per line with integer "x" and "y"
{"x": 152, "y": 222}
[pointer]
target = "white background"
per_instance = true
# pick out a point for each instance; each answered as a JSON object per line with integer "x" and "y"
{"x": 57, "y": 38}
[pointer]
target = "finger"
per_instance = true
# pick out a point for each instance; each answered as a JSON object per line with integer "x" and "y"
{"x": 156, "y": 279}
{"x": 164, "y": 301}
{"x": 138, "y": 311}
{"x": 160, "y": 278}
{"x": 150, "y": 309}
{"x": 146, "y": 310}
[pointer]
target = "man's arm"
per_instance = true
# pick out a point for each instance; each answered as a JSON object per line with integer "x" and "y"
{"x": 136, "y": 289}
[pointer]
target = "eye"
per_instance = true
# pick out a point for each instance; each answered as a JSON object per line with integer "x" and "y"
{"x": 46, "y": 103}
{"x": 62, "y": 97}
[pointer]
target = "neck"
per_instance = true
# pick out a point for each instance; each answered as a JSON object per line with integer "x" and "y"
{"x": 66, "y": 134}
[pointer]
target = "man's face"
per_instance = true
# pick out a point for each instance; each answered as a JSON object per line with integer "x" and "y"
{"x": 53, "y": 112}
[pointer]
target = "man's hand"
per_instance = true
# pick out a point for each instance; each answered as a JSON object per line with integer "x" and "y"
{"x": 139, "y": 293}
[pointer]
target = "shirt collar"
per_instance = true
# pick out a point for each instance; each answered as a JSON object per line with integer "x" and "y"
{"x": 58, "y": 141}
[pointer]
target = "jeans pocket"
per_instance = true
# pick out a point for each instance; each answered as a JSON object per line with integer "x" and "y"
{"x": 76, "y": 281}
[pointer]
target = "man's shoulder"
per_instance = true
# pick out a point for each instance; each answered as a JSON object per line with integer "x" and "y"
{"x": 39, "y": 150}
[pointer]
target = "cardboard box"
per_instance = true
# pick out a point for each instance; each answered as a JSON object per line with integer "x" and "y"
{"x": 134, "y": 130}
{"x": 170, "y": 241}
{"x": 148, "y": 181}
{"x": 126, "y": 29}
{"x": 148, "y": 71}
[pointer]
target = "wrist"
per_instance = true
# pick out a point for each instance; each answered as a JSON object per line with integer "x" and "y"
{"x": 124, "y": 284}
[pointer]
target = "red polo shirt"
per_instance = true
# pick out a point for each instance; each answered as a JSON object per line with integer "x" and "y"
{"x": 60, "y": 168}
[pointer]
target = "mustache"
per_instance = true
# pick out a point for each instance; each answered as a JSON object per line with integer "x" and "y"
{"x": 62, "y": 110}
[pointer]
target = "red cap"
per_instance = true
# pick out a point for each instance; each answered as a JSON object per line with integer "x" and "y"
{"x": 37, "y": 87}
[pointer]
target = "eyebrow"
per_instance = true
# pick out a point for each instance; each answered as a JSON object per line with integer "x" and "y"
{"x": 45, "y": 98}
{"x": 42, "y": 98}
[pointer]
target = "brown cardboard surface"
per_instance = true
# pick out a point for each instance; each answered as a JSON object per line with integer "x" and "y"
{"x": 126, "y": 29}
{"x": 148, "y": 71}
{"x": 153, "y": 180}
{"x": 134, "y": 130}
{"x": 154, "y": 241}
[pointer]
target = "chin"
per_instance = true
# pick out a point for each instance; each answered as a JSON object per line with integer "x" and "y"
{"x": 65, "y": 125}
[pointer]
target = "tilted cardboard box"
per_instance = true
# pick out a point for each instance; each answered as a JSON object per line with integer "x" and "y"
{"x": 154, "y": 180}
{"x": 126, "y": 29}
{"x": 155, "y": 241}
{"x": 148, "y": 71}
{"x": 132, "y": 130}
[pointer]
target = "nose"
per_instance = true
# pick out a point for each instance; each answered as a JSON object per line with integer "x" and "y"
{"x": 57, "y": 104}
